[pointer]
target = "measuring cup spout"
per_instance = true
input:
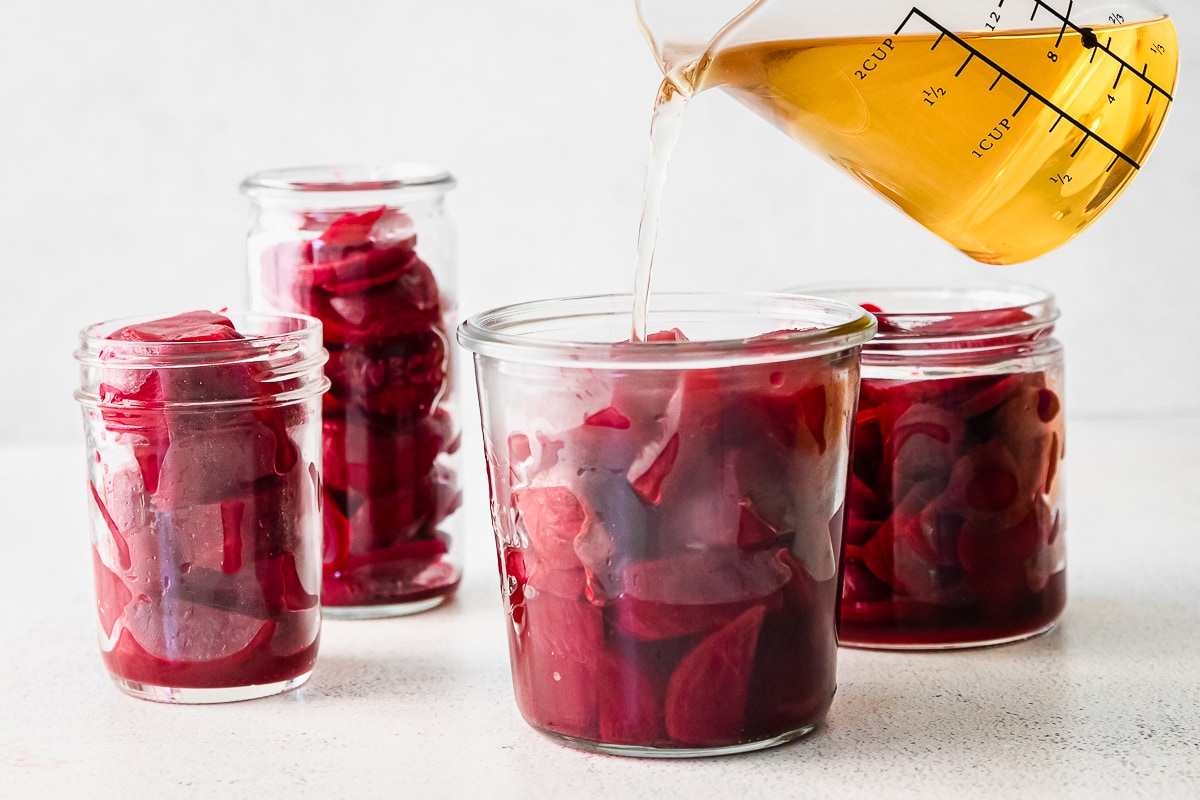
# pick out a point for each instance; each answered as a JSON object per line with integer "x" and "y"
{"x": 679, "y": 32}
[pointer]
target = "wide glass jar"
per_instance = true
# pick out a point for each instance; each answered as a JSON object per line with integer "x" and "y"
{"x": 956, "y": 517}
{"x": 369, "y": 250}
{"x": 668, "y": 513}
{"x": 203, "y": 462}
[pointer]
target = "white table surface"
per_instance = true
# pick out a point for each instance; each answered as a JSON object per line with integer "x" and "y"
{"x": 1108, "y": 705}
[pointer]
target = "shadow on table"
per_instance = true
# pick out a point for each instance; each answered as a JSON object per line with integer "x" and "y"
{"x": 1112, "y": 681}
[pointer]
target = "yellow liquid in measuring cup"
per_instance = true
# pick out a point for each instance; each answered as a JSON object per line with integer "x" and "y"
{"x": 1005, "y": 145}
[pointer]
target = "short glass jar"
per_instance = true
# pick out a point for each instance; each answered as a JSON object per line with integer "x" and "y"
{"x": 956, "y": 517}
{"x": 203, "y": 451}
{"x": 369, "y": 250}
{"x": 668, "y": 513}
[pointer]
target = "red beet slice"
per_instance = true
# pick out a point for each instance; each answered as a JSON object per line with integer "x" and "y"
{"x": 120, "y": 544}
{"x": 630, "y": 701}
{"x": 351, "y": 229}
{"x": 608, "y": 418}
{"x": 551, "y": 513}
{"x": 706, "y": 696}
{"x": 112, "y": 595}
{"x": 192, "y": 326}
{"x": 648, "y": 485}
{"x": 555, "y": 665}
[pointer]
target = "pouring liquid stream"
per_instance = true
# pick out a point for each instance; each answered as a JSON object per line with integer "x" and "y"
{"x": 1006, "y": 144}
{"x": 665, "y": 126}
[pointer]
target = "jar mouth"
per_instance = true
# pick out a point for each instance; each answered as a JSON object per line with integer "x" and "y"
{"x": 263, "y": 332}
{"x": 328, "y": 183}
{"x": 726, "y": 329}
{"x": 980, "y": 310}
{"x": 283, "y": 353}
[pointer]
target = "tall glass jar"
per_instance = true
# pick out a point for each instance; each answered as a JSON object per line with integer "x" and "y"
{"x": 369, "y": 250}
{"x": 956, "y": 517}
{"x": 203, "y": 451}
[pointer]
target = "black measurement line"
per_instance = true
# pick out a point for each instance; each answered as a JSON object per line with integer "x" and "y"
{"x": 1087, "y": 33}
{"x": 1029, "y": 91}
{"x": 993, "y": 86}
{"x": 1063, "y": 29}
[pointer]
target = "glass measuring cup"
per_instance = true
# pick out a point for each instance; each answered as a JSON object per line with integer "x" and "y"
{"x": 1006, "y": 127}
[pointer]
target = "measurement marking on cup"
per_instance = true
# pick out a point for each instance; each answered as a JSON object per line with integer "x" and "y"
{"x": 1063, "y": 29}
{"x": 1089, "y": 40}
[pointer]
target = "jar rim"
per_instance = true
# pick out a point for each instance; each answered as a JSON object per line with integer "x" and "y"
{"x": 520, "y": 332}
{"x": 91, "y": 336}
{"x": 284, "y": 350}
{"x": 356, "y": 181}
{"x": 978, "y": 309}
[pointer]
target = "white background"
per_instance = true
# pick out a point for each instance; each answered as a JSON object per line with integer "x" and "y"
{"x": 125, "y": 128}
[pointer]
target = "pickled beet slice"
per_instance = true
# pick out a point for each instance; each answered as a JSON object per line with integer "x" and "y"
{"x": 608, "y": 418}
{"x": 373, "y": 459}
{"x": 120, "y": 544}
{"x": 648, "y": 485}
{"x": 351, "y": 229}
{"x": 556, "y": 665}
{"x": 401, "y": 378}
{"x": 630, "y": 701}
{"x": 705, "y": 701}
{"x": 861, "y": 585}
{"x": 407, "y": 305}
{"x": 553, "y": 517}
{"x": 650, "y": 621}
{"x": 813, "y": 405}
{"x": 551, "y": 512}
{"x": 696, "y": 577}
{"x": 754, "y": 533}
{"x": 133, "y": 661}
{"x": 192, "y": 326}
{"x": 518, "y": 448}
{"x": 793, "y": 678}
{"x": 112, "y": 595}
{"x": 1048, "y": 405}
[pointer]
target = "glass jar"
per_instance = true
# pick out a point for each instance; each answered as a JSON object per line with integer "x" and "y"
{"x": 369, "y": 250}
{"x": 203, "y": 452}
{"x": 956, "y": 519}
{"x": 668, "y": 514}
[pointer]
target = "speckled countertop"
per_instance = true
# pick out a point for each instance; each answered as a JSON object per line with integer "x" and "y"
{"x": 1108, "y": 705}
